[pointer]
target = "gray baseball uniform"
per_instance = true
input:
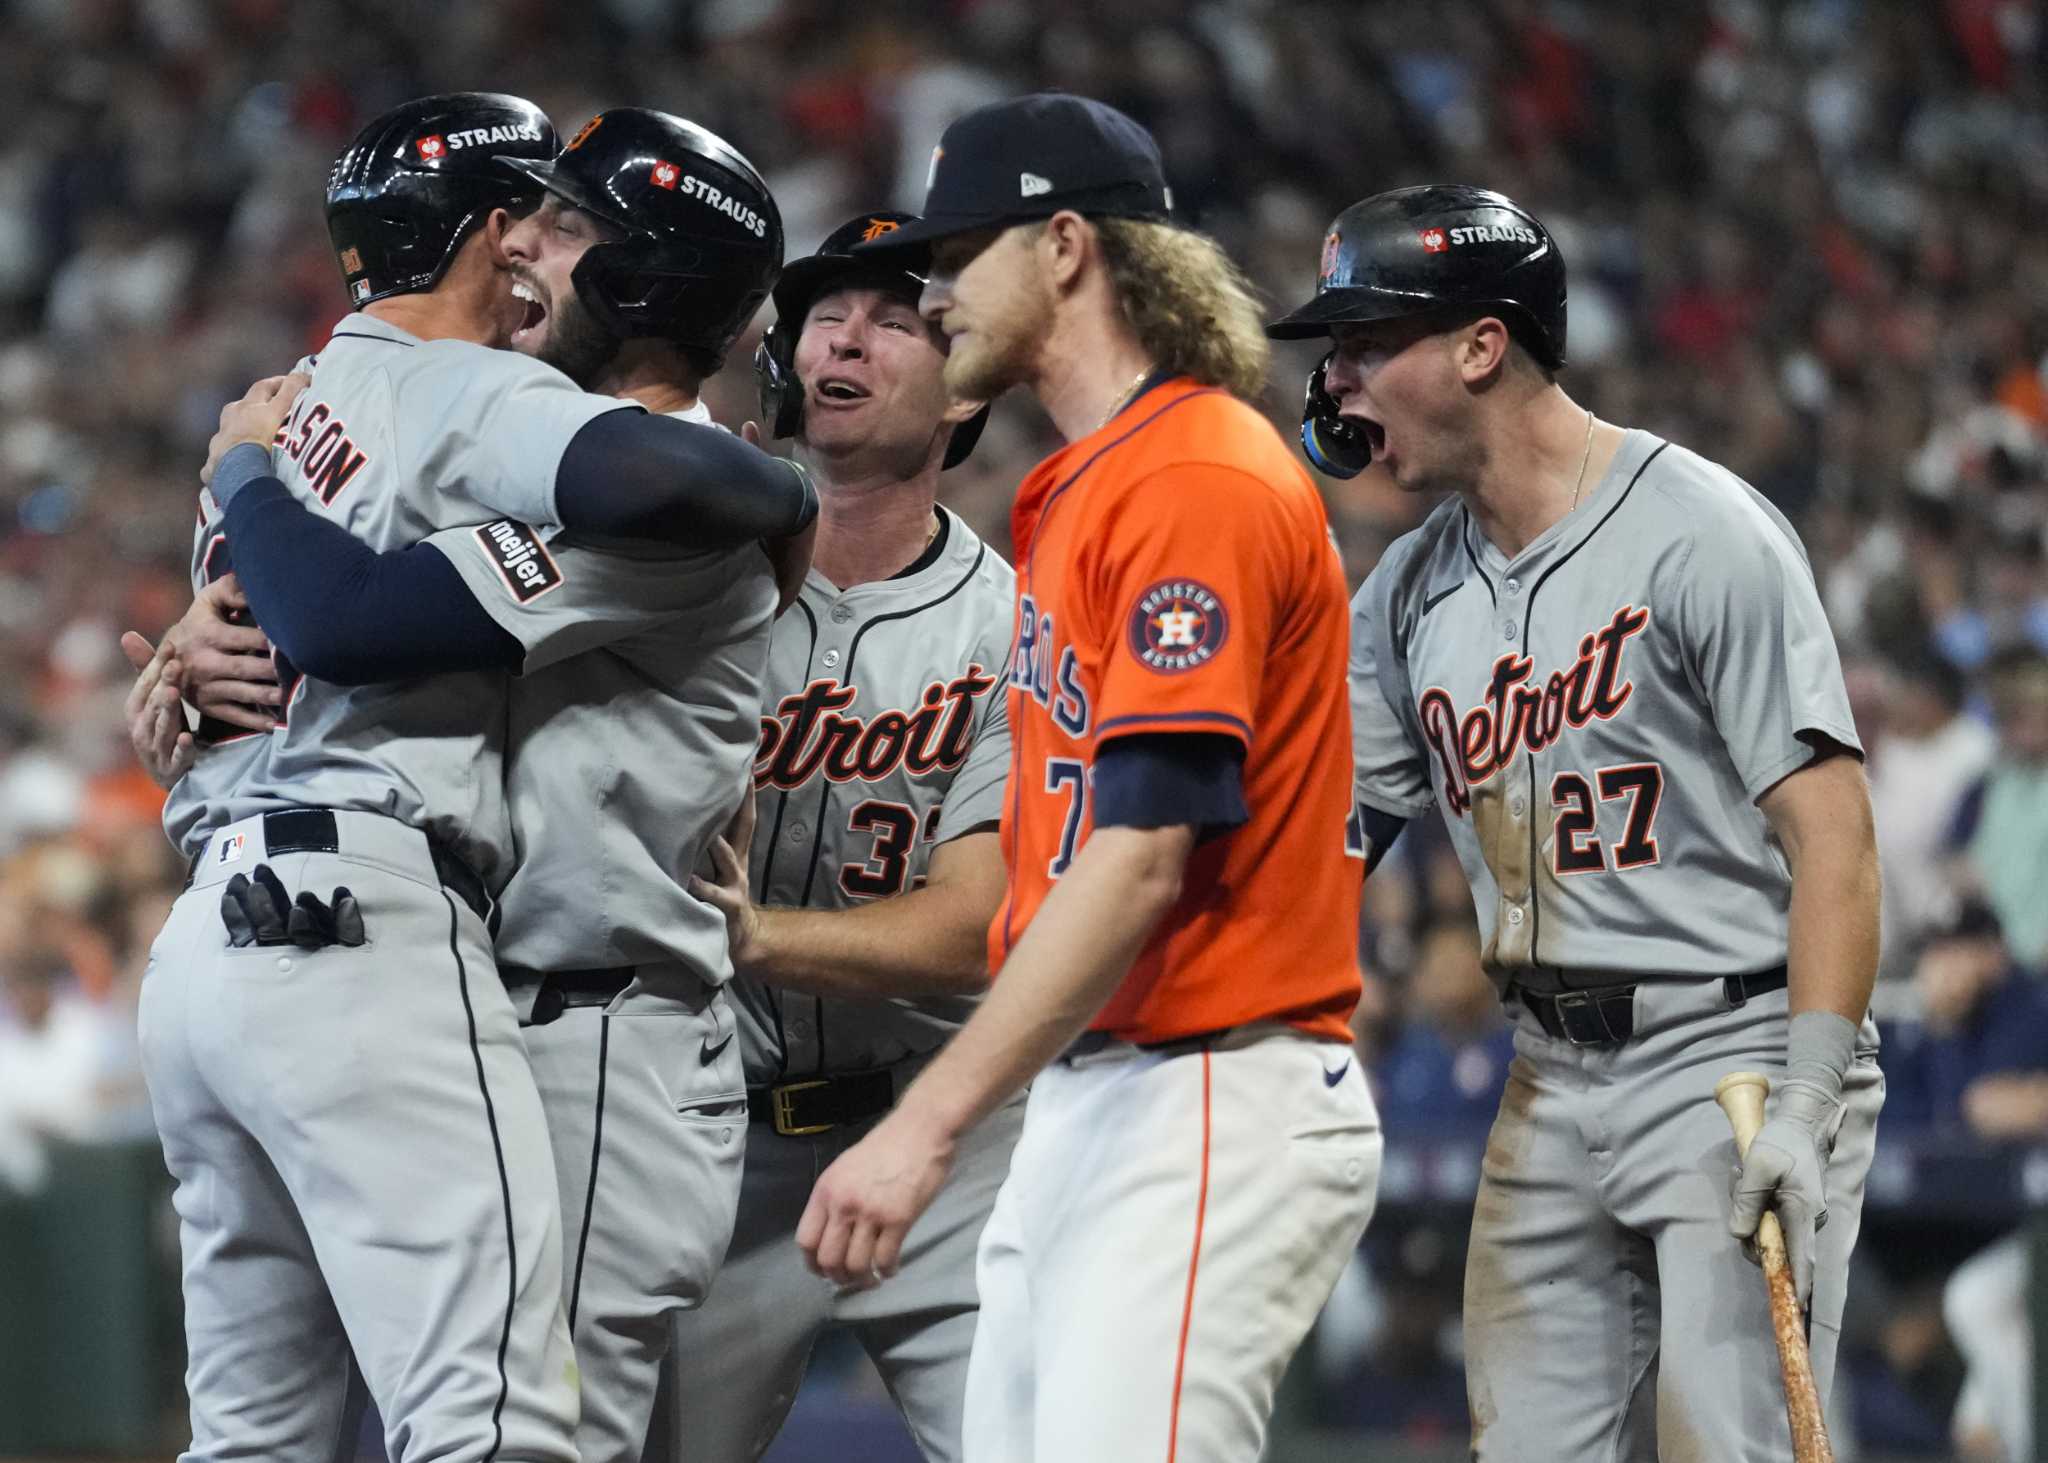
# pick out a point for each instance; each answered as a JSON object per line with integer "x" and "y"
{"x": 628, "y": 738}
{"x": 885, "y": 733}
{"x": 1596, "y": 718}
{"x": 361, "y": 1155}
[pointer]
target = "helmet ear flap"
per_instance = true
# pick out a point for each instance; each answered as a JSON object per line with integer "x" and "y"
{"x": 782, "y": 395}
{"x": 1336, "y": 447}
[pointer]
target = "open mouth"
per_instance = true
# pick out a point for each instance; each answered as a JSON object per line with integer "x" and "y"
{"x": 1375, "y": 434}
{"x": 839, "y": 389}
{"x": 535, "y": 315}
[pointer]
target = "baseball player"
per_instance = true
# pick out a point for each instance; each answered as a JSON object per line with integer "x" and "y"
{"x": 1603, "y": 658}
{"x": 361, "y": 1154}
{"x": 1200, "y": 1152}
{"x": 884, "y": 743}
{"x": 638, "y": 288}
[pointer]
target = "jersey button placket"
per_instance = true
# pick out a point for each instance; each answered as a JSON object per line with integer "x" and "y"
{"x": 830, "y": 659}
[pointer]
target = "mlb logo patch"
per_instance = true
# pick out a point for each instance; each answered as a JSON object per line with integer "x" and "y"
{"x": 665, "y": 175}
{"x": 1176, "y": 625}
{"x": 229, "y": 849}
{"x": 522, "y": 560}
{"x": 1434, "y": 241}
{"x": 431, "y": 147}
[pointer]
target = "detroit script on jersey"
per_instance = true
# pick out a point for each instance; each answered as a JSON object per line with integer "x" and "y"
{"x": 1176, "y": 574}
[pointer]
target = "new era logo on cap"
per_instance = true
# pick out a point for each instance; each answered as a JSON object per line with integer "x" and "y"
{"x": 665, "y": 175}
{"x": 1030, "y": 185}
{"x": 1434, "y": 242}
{"x": 431, "y": 147}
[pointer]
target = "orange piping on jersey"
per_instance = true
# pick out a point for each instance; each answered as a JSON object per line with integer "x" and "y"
{"x": 1187, "y": 1310}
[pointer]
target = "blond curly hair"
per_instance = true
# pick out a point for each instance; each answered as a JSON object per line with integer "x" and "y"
{"x": 1190, "y": 306}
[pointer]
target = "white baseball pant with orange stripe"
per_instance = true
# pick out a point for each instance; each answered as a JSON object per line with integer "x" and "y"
{"x": 1171, "y": 1226}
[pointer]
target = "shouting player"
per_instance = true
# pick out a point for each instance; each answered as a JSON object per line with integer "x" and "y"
{"x": 878, "y": 790}
{"x": 362, "y": 1158}
{"x": 1603, "y": 658}
{"x": 1200, "y": 1153}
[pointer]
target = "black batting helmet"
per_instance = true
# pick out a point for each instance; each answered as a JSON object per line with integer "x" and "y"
{"x": 408, "y": 189}
{"x": 835, "y": 264}
{"x": 702, "y": 238}
{"x": 1415, "y": 251}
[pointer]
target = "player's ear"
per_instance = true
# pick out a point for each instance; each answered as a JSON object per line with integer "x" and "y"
{"x": 496, "y": 225}
{"x": 1481, "y": 350}
{"x": 960, "y": 411}
{"x": 1064, "y": 244}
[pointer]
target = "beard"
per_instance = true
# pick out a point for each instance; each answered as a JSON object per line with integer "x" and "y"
{"x": 578, "y": 346}
{"x": 1001, "y": 353}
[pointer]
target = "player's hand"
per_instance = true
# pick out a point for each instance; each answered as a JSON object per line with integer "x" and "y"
{"x": 791, "y": 556}
{"x": 257, "y": 417}
{"x": 731, "y": 893}
{"x": 864, "y": 1204}
{"x": 156, "y": 712}
{"x": 227, "y": 670}
{"x": 1787, "y": 1168}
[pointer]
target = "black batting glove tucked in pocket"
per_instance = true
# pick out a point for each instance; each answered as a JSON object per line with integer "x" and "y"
{"x": 257, "y": 911}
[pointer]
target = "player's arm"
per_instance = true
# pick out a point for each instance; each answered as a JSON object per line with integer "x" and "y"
{"x": 931, "y": 941}
{"x": 1077, "y": 948}
{"x": 1760, "y": 649}
{"x": 1390, "y": 776}
{"x": 338, "y": 609}
{"x": 624, "y": 472}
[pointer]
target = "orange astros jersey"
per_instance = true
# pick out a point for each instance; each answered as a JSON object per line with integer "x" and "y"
{"x": 1175, "y": 573}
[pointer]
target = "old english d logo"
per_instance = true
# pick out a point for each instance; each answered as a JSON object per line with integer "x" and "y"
{"x": 583, "y": 133}
{"x": 1328, "y": 267}
{"x": 878, "y": 227}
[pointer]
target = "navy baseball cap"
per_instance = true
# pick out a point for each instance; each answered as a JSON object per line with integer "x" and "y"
{"x": 1029, "y": 158}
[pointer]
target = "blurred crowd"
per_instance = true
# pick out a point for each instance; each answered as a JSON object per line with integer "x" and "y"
{"x": 1800, "y": 239}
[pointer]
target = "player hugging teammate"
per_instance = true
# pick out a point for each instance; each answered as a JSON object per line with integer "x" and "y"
{"x": 1601, "y": 658}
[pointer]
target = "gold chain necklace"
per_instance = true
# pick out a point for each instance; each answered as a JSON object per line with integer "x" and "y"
{"x": 1584, "y": 458}
{"x": 1124, "y": 400}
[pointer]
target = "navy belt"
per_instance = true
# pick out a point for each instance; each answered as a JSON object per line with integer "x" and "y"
{"x": 314, "y": 830}
{"x": 1606, "y": 1015}
{"x": 568, "y": 990}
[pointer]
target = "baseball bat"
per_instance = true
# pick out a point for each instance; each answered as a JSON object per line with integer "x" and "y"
{"x": 1741, "y": 1095}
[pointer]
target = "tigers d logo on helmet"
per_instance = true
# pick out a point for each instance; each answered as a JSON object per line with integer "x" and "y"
{"x": 878, "y": 227}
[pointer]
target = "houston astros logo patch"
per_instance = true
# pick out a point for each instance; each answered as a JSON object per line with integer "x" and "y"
{"x": 1177, "y": 625}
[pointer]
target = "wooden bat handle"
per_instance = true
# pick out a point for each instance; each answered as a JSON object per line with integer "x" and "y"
{"x": 1741, "y": 1095}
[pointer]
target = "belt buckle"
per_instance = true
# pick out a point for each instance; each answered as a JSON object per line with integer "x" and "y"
{"x": 1595, "y": 1032}
{"x": 785, "y": 1110}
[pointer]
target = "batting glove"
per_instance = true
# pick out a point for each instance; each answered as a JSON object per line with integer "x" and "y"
{"x": 1787, "y": 1168}
{"x": 257, "y": 911}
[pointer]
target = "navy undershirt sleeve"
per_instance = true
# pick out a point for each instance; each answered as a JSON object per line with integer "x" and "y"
{"x": 1377, "y": 830}
{"x": 342, "y": 612}
{"x": 1164, "y": 779}
{"x": 633, "y": 475}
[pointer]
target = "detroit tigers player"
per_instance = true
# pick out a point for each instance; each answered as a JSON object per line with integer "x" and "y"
{"x": 879, "y": 784}
{"x": 361, "y": 1155}
{"x": 1604, "y": 659}
{"x": 1199, "y": 1152}
{"x": 637, "y": 284}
